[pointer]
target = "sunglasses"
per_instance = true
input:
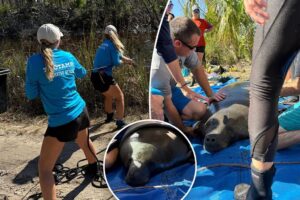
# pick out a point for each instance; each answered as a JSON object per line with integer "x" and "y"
{"x": 187, "y": 45}
{"x": 196, "y": 11}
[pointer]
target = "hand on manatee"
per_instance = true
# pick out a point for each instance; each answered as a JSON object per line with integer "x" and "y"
{"x": 216, "y": 97}
{"x": 191, "y": 94}
{"x": 256, "y": 10}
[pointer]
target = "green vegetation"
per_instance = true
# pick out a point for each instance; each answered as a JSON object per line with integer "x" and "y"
{"x": 133, "y": 80}
{"x": 83, "y": 23}
{"x": 232, "y": 37}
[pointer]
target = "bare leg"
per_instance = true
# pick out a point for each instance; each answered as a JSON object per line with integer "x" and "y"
{"x": 157, "y": 111}
{"x": 81, "y": 140}
{"x": 119, "y": 97}
{"x": 51, "y": 148}
{"x": 193, "y": 110}
{"x": 288, "y": 138}
{"x": 108, "y": 100}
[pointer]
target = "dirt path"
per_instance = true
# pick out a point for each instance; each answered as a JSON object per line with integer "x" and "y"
{"x": 20, "y": 142}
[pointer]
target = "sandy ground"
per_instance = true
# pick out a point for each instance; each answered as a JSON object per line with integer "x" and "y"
{"x": 20, "y": 142}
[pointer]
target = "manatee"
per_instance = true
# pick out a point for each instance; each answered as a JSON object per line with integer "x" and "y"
{"x": 148, "y": 148}
{"x": 227, "y": 120}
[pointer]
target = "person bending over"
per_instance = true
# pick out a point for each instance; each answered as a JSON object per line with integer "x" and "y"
{"x": 185, "y": 36}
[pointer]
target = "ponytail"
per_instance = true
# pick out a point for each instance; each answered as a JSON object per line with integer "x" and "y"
{"x": 115, "y": 39}
{"x": 46, "y": 51}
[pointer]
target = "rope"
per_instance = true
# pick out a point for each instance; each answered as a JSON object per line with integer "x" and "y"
{"x": 142, "y": 187}
{"x": 242, "y": 165}
{"x": 64, "y": 174}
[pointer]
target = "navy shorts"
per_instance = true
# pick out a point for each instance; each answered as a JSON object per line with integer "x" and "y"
{"x": 68, "y": 132}
{"x": 201, "y": 49}
{"x": 101, "y": 81}
{"x": 179, "y": 100}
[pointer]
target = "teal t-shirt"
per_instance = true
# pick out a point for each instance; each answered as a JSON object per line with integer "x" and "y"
{"x": 60, "y": 98}
{"x": 107, "y": 57}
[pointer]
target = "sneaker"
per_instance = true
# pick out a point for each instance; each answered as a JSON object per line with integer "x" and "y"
{"x": 109, "y": 117}
{"x": 91, "y": 170}
{"x": 120, "y": 124}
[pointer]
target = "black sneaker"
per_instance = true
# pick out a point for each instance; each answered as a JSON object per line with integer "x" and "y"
{"x": 109, "y": 117}
{"x": 91, "y": 170}
{"x": 120, "y": 124}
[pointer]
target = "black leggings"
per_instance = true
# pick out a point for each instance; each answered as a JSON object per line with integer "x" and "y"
{"x": 274, "y": 44}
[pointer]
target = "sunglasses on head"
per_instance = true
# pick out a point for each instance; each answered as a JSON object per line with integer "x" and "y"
{"x": 187, "y": 45}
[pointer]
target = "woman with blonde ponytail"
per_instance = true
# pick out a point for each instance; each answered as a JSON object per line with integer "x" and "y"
{"x": 50, "y": 76}
{"x": 110, "y": 54}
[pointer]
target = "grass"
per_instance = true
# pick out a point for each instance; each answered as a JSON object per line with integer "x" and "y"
{"x": 132, "y": 80}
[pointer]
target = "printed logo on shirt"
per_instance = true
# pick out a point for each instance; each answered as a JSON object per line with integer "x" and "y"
{"x": 63, "y": 69}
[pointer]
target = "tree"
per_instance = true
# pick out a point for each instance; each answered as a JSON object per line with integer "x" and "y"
{"x": 232, "y": 37}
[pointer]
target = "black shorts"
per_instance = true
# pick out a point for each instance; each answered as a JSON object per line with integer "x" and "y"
{"x": 201, "y": 49}
{"x": 101, "y": 81}
{"x": 68, "y": 132}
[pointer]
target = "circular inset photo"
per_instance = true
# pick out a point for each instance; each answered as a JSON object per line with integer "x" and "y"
{"x": 150, "y": 159}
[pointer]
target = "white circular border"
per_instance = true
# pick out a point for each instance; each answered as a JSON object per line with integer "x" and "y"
{"x": 159, "y": 122}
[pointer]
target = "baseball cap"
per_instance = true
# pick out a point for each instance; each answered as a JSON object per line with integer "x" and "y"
{"x": 110, "y": 28}
{"x": 195, "y": 7}
{"x": 49, "y": 32}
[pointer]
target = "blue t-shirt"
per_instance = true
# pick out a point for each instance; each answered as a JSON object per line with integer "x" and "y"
{"x": 107, "y": 56}
{"x": 60, "y": 99}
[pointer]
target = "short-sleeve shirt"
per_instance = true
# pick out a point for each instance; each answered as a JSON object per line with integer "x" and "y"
{"x": 202, "y": 24}
{"x": 161, "y": 78}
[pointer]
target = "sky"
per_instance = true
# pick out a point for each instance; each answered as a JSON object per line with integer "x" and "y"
{"x": 177, "y": 9}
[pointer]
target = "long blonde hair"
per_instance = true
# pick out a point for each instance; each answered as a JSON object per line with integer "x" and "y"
{"x": 46, "y": 50}
{"x": 115, "y": 39}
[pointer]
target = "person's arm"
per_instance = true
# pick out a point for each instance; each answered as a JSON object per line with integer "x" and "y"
{"x": 126, "y": 60}
{"x": 291, "y": 88}
{"x": 31, "y": 84}
{"x": 209, "y": 27}
{"x": 175, "y": 71}
{"x": 166, "y": 49}
{"x": 116, "y": 57}
{"x": 174, "y": 116}
{"x": 80, "y": 71}
{"x": 256, "y": 10}
{"x": 200, "y": 76}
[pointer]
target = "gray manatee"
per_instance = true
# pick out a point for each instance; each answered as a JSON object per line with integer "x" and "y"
{"x": 227, "y": 120}
{"x": 148, "y": 148}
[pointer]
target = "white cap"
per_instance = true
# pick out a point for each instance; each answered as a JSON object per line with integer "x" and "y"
{"x": 110, "y": 28}
{"x": 195, "y": 7}
{"x": 49, "y": 32}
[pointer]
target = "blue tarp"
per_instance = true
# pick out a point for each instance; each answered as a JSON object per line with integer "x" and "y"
{"x": 219, "y": 173}
{"x": 170, "y": 184}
